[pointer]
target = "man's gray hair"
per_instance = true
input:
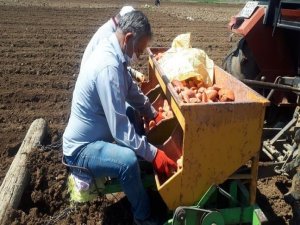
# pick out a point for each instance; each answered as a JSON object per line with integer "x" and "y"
{"x": 135, "y": 22}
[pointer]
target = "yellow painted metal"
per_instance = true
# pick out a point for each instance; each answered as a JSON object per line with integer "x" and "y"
{"x": 217, "y": 137}
{"x": 171, "y": 190}
{"x": 177, "y": 113}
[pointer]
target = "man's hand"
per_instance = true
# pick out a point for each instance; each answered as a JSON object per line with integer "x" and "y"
{"x": 162, "y": 163}
{"x": 159, "y": 117}
{"x": 156, "y": 120}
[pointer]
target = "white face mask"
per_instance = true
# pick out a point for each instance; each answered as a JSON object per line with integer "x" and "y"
{"x": 133, "y": 59}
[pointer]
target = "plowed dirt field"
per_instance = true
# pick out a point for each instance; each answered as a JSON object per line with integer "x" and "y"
{"x": 41, "y": 46}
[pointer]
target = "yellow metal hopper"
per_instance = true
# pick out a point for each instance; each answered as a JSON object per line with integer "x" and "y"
{"x": 215, "y": 139}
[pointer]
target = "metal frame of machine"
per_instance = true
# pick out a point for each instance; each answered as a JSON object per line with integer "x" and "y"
{"x": 202, "y": 157}
{"x": 271, "y": 33}
{"x": 206, "y": 212}
{"x": 267, "y": 58}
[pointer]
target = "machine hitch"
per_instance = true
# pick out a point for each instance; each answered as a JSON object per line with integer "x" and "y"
{"x": 207, "y": 212}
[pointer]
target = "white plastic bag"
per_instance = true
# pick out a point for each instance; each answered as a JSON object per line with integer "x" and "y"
{"x": 181, "y": 61}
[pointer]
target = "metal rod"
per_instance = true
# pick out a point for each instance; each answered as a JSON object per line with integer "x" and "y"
{"x": 271, "y": 128}
{"x": 267, "y": 153}
{"x": 270, "y": 148}
{"x": 254, "y": 175}
{"x": 269, "y": 85}
{"x": 277, "y": 80}
{"x": 288, "y": 126}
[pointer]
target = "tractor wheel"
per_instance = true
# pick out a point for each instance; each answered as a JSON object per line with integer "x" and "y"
{"x": 240, "y": 62}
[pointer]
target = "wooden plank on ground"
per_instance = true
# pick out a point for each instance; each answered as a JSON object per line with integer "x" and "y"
{"x": 17, "y": 177}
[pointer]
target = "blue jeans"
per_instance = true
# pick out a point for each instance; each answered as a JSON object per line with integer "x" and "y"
{"x": 105, "y": 159}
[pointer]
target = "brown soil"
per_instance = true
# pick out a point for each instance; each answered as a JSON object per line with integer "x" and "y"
{"x": 41, "y": 46}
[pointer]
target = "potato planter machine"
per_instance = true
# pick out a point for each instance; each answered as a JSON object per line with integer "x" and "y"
{"x": 215, "y": 141}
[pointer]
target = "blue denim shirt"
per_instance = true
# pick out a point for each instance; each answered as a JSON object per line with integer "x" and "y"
{"x": 98, "y": 106}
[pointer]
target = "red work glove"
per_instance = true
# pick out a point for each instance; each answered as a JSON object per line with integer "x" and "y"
{"x": 162, "y": 163}
{"x": 156, "y": 120}
{"x": 159, "y": 117}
